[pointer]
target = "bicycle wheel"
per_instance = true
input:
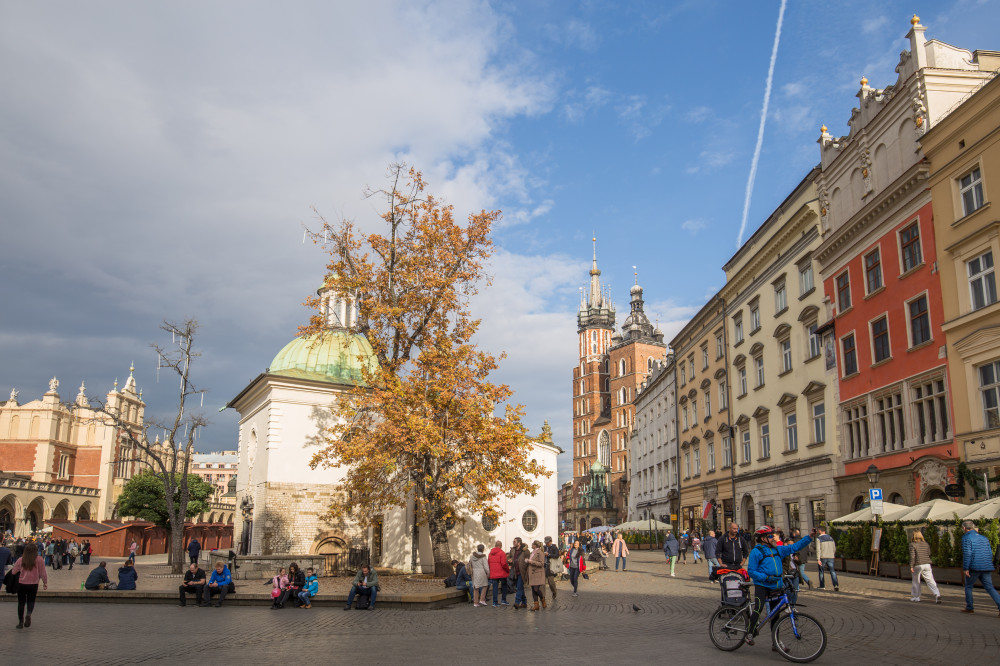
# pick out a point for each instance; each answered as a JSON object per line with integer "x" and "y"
{"x": 799, "y": 637}
{"x": 728, "y": 627}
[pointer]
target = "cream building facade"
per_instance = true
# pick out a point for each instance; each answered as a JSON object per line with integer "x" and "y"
{"x": 787, "y": 457}
{"x": 653, "y": 487}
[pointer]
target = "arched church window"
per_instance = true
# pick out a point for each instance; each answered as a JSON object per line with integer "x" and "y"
{"x": 621, "y": 368}
{"x": 604, "y": 449}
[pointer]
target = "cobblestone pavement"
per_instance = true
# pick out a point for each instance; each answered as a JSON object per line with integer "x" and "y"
{"x": 671, "y": 624}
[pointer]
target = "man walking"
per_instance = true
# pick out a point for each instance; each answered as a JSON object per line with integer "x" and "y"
{"x": 977, "y": 564}
{"x": 514, "y": 561}
{"x": 733, "y": 549}
{"x": 710, "y": 546}
{"x": 194, "y": 549}
{"x": 826, "y": 550}
{"x": 800, "y": 559}
{"x": 551, "y": 553}
{"x": 670, "y": 550}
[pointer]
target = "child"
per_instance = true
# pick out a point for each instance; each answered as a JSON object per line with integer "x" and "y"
{"x": 278, "y": 586}
{"x": 311, "y": 589}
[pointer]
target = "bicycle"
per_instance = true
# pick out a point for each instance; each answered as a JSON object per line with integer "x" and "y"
{"x": 797, "y": 637}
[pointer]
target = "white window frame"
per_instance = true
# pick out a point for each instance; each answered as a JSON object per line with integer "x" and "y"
{"x": 786, "y": 354}
{"x": 791, "y": 432}
{"x": 738, "y": 329}
{"x": 920, "y": 246}
{"x": 871, "y": 338}
{"x": 747, "y": 448}
{"x": 818, "y": 421}
{"x": 984, "y": 276}
{"x": 780, "y": 297}
{"x": 975, "y": 187}
{"x": 990, "y": 395}
{"x": 806, "y": 280}
{"x": 843, "y": 355}
{"x": 764, "y": 432}
{"x": 758, "y": 366}
{"x": 909, "y": 320}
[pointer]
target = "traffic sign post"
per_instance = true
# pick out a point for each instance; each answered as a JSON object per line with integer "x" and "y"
{"x": 875, "y": 494}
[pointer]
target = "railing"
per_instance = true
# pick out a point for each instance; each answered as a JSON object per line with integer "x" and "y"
{"x": 43, "y": 486}
{"x": 350, "y": 561}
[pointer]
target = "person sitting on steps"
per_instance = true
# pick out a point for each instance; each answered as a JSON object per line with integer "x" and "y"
{"x": 365, "y": 585}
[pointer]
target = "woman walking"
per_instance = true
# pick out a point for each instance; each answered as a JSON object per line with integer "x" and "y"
{"x": 575, "y": 564}
{"x": 920, "y": 567}
{"x": 499, "y": 570}
{"x": 31, "y": 566}
{"x": 696, "y": 546}
{"x": 536, "y": 574}
{"x": 480, "y": 570}
{"x": 620, "y": 550}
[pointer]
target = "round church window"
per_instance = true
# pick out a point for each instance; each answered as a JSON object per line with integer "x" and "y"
{"x": 529, "y": 521}
{"x": 489, "y": 524}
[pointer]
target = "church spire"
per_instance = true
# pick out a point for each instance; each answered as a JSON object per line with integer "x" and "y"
{"x": 596, "y": 311}
{"x": 595, "y": 281}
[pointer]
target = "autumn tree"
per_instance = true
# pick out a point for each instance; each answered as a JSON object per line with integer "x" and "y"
{"x": 170, "y": 460}
{"x": 425, "y": 426}
{"x": 143, "y": 497}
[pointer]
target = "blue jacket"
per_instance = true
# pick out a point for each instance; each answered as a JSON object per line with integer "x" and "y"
{"x": 462, "y": 575}
{"x": 127, "y": 577}
{"x": 312, "y": 585}
{"x": 764, "y": 563}
{"x": 670, "y": 546}
{"x": 976, "y": 552}
{"x": 220, "y": 579}
{"x": 709, "y": 545}
{"x": 194, "y": 548}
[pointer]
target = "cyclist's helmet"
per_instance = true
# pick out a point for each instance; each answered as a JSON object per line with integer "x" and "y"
{"x": 763, "y": 532}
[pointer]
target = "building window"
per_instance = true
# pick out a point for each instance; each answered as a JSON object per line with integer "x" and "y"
{"x": 697, "y": 461}
{"x": 727, "y": 452}
{"x": 687, "y": 465}
{"x": 684, "y": 412}
{"x": 889, "y": 421}
{"x": 708, "y": 402}
{"x": 691, "y": 367}
{"x": 704, "y": 356}
{"x": 720, "y": 346}
{"x": 971, "y": 187}
{"x": 931, "y": 406}
{"x": 844, "y": 291}
{"x": 791, "y": 432}
{"x": 805, "y": 279}
{"x": 780, "y": 298}
{"x": 815, "y": 344}
{"x": 754, "y": 318}
{"x": 742, "y": 372}
{"x": 723, "y": 397}
{"x": 920, "y": 323}
{"x": 489, "y": 524}
{"x": 856, "y": 426}
{"x": 765, "y": 440}
{"x": 63, "y": 466}
{"x": 738, "y": 330}
{"x": 880, "y": 339}
{"x": 909, "y": 239}
{"x": 683, "y": 373}
{"x": 758, "y": 363}
{"x": 850, "y": 354}
{"x": 818, "y": 510}
{"x": 819, "y": 422}
{"x": 604, "y": 449}
{"x": 694, "y": 412}
{"x": 793, "y": 515}
{"x": 989, "y": 387}
{"x": 711, "y": 456}
{"x": 746, "y": 445}
{"x": 786, "y": 355}
{"x": 982, "y": 281}
{"x": 873, "y": 270}
{"x": 529, "y": 521}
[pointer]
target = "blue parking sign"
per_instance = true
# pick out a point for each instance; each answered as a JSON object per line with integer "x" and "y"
{"x": 875, "y": 494}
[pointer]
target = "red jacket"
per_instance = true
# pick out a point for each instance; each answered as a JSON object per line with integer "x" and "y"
{"x": 498, "y": 563}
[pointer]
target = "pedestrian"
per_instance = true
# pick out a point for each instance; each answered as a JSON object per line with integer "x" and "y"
{"x": 710, "y": 547}
{"x": 696, "y": 546}
{"x": 310, "y": 590}
{"x": 6, "y": 557}
{"x": 31, "y": 567}
{"x": 826, "y": 550}
{"x": 733, "y": 549}
{"x": 536, "y": 574}
{"x": 50, "y": 550}
{"x": 98, "y": 578}
{"x": 603, "y": 556}
{"x": 499, "y": 570}
{"x": 278, "y": 586}
{"x": 800, "y": 559}
{"x": 514, "y": 557}
{"x": 127, "y": 576}
{"x": 682, "y": 546}
{"x": 131, "y": 550}
{"x": 194, "y": 549}
{"x": 977, "y": 564}
{"x": 620, "y": 550}
{"x": 73, "y": 550}
{"x": 670, "y": 550}
{"x": 87, "y": 552}
{"x": 576, "y": 564}
{"x": 551, "y": 555}
{"x": 479, "y": 569}
{"x": 920, "y": 567}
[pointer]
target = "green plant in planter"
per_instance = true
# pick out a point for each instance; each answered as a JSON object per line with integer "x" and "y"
{"x": 945, "y": 550}
{"x": 956, "y": 540}
{"x": 990, "y": 528}
{"x": 933, "y": 537}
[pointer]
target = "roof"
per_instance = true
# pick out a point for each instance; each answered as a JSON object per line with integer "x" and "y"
{"x": 332, "y": 356}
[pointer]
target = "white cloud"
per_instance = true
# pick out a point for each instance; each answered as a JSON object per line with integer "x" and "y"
{"x": 711, "y": 159}
{"x": 693, "y": 226}
{"x": 638, "y": 116}
{"x": 873, "y": 25}
{"x": 579, "y": 106}
{"x": 699, "y": 114}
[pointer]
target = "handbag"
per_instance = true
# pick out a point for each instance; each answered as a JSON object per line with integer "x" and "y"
{"x": 10, "y": 581}
{"x": 556, "y": 566}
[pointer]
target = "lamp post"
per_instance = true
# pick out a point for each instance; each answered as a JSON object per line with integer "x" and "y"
{"x": 872, "y": 473}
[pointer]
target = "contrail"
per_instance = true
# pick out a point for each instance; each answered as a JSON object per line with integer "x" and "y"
{"x": 760, "y": 131}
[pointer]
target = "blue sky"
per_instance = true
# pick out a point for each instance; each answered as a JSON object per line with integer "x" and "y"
{"x": 160, "y": 161}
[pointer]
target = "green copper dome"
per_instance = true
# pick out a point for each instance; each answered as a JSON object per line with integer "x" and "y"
{"x": 333, "y": 356}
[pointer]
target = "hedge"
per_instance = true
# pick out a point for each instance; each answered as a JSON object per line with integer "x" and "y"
{"x": 943, "y": 537}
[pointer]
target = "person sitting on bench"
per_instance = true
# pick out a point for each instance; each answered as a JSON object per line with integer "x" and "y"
{"x": 365, "y": 585}
{"x": 194, "y": 583}
{"x": 218, "y": 584}
{"x": 98, "y": 578}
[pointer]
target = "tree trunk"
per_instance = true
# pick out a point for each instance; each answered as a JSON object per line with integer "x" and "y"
{"x": 414, "y": 539}
{"x": 177, "y": 546}
{"x": 439, "y": 540}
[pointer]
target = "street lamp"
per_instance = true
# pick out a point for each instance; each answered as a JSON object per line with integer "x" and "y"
{"x": 872, "y": 474}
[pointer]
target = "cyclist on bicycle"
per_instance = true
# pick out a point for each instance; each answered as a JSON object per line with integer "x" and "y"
{"x": 765, "y": 569}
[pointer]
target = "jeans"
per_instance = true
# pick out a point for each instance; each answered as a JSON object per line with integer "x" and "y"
{"x": 672, "y": 559}
{"x": 574, "y": 577}
{"x": 800, "y": 574}
{"x": 499, "y": 591}
{"x": 827, "y": 564}
{"x": 519, "y": 596}
{"x": 212, "y": 591}
{"x": 193, "y": 556}
{"x": 196, "y": 590}
{"x": 622, "y": 559}
{"x": 924, "y": 571}
{"x": 986, "y": 578}
{"x": 465, "y": 587}
{"x": 304, "y": 597}
{"x": 697, "y": 554}
{"x": 793, "y": 594}
{"x": 369, "y": 592}
{"x": 713, "y": 564}
{"x": 25, "y": 599}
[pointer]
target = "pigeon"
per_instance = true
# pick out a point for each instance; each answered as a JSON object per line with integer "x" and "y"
{"x": 636, "y": 608}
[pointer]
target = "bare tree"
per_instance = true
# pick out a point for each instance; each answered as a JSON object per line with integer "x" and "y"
{"x": 171, "y": 460}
